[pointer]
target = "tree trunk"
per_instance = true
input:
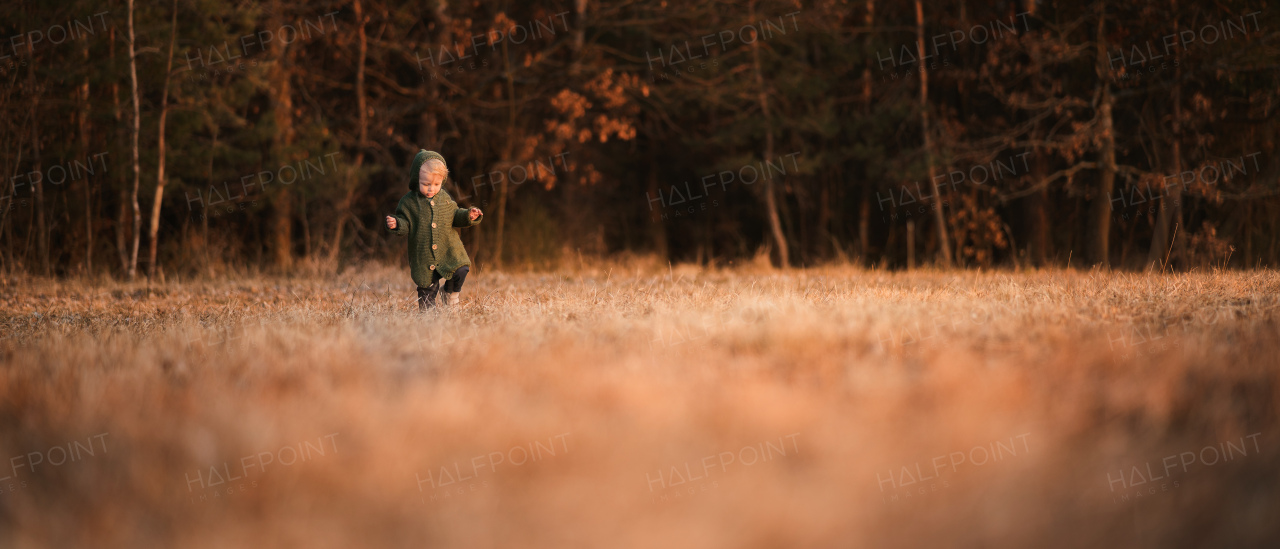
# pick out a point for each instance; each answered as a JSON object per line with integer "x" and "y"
{"x": 911, "y": 244}
{"x": 770, "y": 199}
{"x": 1171, "y": 204}
{"x": 864, "y": 226}
{"x": 133, "y": 134}
{"x": 580, "y": 23}
{"x": 429, "y": 132}
{"x": 1100, "y": 237}
{"x": 6, "y": 204}
{"x": 122, "y": 235}
{"x": 204, "y": 216}
{"x": 864, "y": 204}
{"x": 353, "y": 179}
{"x": 1039, "y": 238}
{"x": 122, "y": 250}
{"x": 825, "y": 238}
{"x": 658, "y": 229}
{"x": 306, "y": 229}
{"x": 83, "y": 120}
{"x": 502, "y": 218}
{"x": 282, "y": 205}
{"x": 160, "y": 180}
{"x": 1038, "y": 222}
{"x": 508, "y": 150}
{"x": 42, "y": 233}
{"x": 944, "y": 245}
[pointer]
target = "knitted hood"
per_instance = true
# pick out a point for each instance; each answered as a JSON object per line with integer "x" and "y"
{"x": 418, "y": 160}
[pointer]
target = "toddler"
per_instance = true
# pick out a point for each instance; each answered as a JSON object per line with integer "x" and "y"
{"x": 427, "y": 215}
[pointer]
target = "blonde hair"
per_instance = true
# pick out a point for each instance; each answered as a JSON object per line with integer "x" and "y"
{"x": 434, "y": 165}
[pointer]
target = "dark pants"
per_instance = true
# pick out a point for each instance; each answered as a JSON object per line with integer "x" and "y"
{"x": 427, "y": 296}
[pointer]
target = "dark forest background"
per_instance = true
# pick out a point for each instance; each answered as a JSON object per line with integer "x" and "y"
{"x": 196, "y": 137}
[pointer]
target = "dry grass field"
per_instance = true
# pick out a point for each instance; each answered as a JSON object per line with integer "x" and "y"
{"x": 636, "y": 406}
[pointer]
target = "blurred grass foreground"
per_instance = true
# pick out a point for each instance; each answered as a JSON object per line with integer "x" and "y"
{"x": 631, "y": 407}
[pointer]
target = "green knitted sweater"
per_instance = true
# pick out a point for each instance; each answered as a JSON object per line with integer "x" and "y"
{"x": 429, "y": 223}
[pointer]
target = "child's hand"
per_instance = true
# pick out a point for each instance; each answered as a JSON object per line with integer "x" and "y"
{"x": 391, "y": 223}
{"x": 475, "y": 213}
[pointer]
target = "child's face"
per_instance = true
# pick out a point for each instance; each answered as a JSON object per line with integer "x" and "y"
{"x": 429, "y": 182}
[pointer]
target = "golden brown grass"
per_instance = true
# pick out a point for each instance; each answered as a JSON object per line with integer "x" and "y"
{"x": 632, "y": 377}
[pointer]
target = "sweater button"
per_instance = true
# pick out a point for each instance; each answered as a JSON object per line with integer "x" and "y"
{"x": 433, "y": 267}
{"x": 433, "y": 225}
{"x": 433, "y": 246}
{"x": 433, "y": 202}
